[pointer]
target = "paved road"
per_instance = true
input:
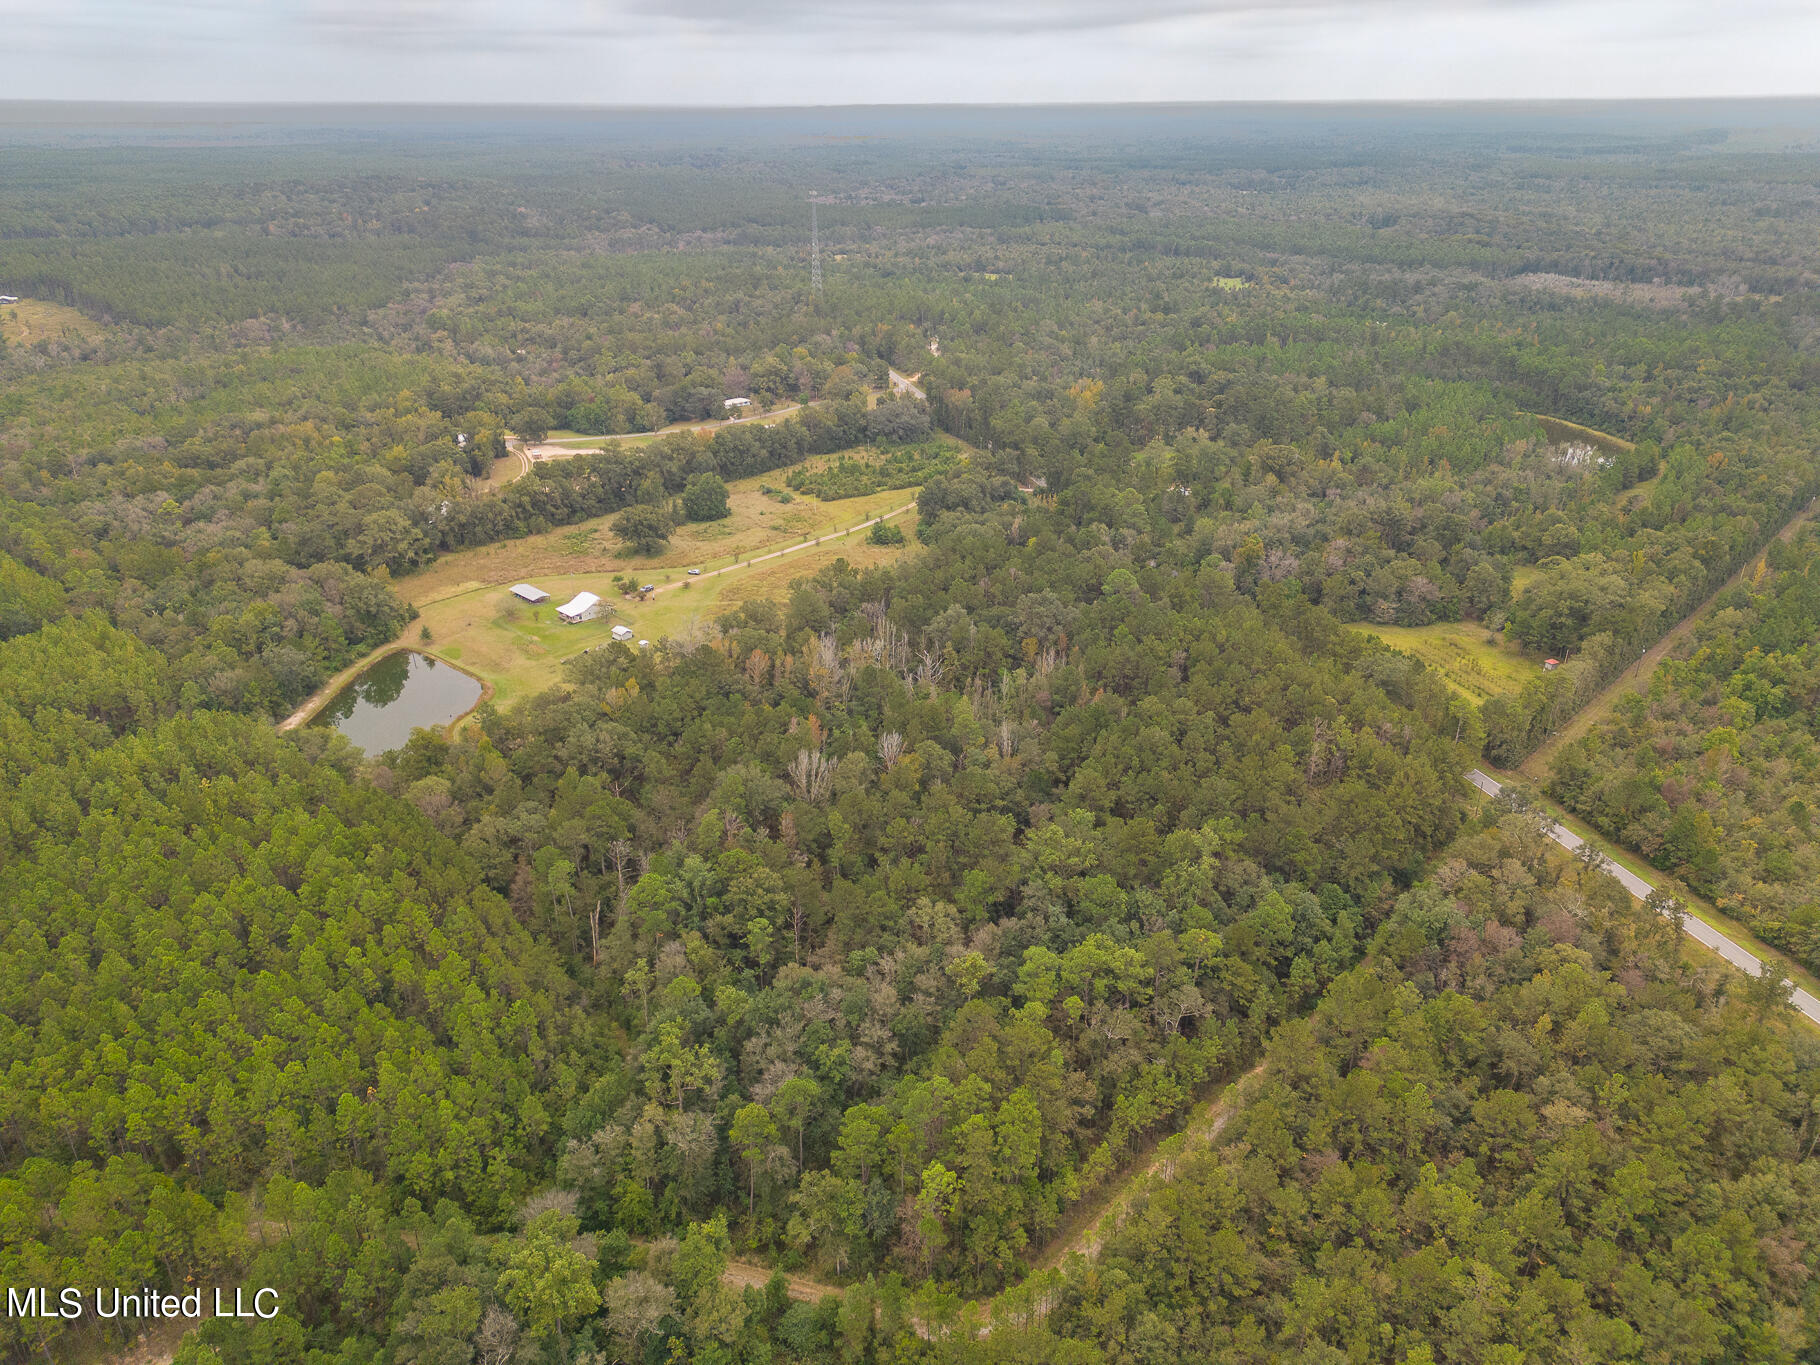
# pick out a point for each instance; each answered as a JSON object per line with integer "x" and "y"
{"x": 1696, "y": 928}
{"x": 903, "y": 383}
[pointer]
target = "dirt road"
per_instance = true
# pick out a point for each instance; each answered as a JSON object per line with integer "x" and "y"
{"x": 524, "y": 456}
{"x": 1085, "y": 1228}
{"x": 746, "y": 1275}
{"x": 809, "y": 544}
{"x": 1636, "y": 677}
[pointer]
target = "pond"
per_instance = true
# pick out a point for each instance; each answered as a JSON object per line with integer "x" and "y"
{"x": 398, "y": 694}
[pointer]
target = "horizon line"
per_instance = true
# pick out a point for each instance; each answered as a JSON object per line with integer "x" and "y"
{"x": 1374, "y": 102}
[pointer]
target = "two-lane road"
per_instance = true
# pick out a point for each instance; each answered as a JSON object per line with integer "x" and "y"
{"x": 1697, "y": 929}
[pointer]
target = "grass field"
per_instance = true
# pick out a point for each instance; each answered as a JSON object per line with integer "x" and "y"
{"x": 519, "y": 648}
{"x": 31, "y": 320}
{"x": 1638, "y": 493}
{"x": 1458, "y": 652}
{"x": 475, "y": 622}
{"x": 757, "y": 523}
{"x": 580, "y": 443}
{"x": 464, "y": 600}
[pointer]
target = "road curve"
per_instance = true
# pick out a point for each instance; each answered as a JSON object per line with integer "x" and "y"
{"x": 1697, "y": 929}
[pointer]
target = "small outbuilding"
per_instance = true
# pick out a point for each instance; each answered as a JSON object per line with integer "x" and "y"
{"x": 622, "y": 633}
{"x": 1550, "y": 665}
{"x": 527, "y": 593}
{"x": 584, "y": 606}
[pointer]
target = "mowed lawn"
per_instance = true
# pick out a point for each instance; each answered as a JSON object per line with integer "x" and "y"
{"x": 519, "y": 648}
{"x": 1458, "y": 651}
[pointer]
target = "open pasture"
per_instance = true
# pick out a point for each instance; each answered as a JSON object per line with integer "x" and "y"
{"x": 758, "y": 523}
{"x": 33, "y": 320}
{"x": 519, "y": 649}
{"x": 1458, "y": 651}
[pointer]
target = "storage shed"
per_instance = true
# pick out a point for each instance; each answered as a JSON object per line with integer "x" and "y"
{"x": 529, "y": 593}
{"x": 584, "y": 606}
{"x": 622, "y": 632}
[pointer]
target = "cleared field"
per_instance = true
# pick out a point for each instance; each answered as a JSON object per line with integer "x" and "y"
{"x": 1639, "y": 493}
{"x": 562, "y": 443}
{"x": 519, "y": 648}
{"x": 465, "y": 602}
{"x": 31, "y": 320}
{"x": 757, "y": 523}
{"x": 1458, "y": 652}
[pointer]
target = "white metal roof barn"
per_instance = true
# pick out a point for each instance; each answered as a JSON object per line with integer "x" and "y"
{"x": 584, "y": 606}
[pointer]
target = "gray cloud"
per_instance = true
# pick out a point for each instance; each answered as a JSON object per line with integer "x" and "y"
{"x": 1025, "y": 16}
{"x": 861, "y": 51}
{"x": 451, "y": 21}
{"x": 455, "y": 25}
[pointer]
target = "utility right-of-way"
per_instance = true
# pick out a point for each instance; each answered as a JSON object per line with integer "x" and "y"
{"x": 1695, "y": 927}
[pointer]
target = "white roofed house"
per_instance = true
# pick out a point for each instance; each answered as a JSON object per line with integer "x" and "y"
{"x": 529, "y": 594}
{"x": 584, "y": 606}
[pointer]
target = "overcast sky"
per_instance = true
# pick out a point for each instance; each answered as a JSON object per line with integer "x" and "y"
{"x": 740, "y": 52}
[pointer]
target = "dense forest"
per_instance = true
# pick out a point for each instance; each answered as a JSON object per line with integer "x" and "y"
{"x": 876, "y": 929}
{"x": 1522, "y": 1129}
{"x": 1712, "y": 773}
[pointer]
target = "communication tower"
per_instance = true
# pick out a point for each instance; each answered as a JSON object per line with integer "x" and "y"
{"x": 815, "y": 252}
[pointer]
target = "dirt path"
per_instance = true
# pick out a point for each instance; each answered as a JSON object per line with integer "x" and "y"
{"x": 809, "y": 544}
{"x": 1085, "y": 1228}
{"x": 747, "y": 1275}
{"x": 1636, "y": 677}
{"x": 524, "y": 456}
{"x": 319, "y": 698}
